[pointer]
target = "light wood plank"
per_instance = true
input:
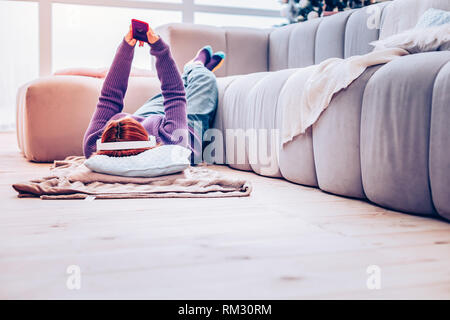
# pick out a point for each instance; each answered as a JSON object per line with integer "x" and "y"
{"x": 284, "y": 241}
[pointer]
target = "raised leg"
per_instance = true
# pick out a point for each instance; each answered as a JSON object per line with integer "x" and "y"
{"x": 201, "y": 95}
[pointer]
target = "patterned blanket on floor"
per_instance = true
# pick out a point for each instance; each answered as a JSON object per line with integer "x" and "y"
{"x": 71, "y": 179}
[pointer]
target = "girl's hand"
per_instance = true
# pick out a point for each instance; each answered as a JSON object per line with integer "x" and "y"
{"x": 152, "y": 36}
{"x": 129, "y": 38}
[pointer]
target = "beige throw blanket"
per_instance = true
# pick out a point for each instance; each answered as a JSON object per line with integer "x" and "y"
{"x": 70, "y": 179}
{"x": 308, "y": 92}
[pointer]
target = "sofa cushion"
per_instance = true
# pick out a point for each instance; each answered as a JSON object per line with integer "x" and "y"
{"x": 186, "y": 39}
{"x": 395, "y": 132}
{"x": 264, "y": 117}
{"x": 297, "y": 160}
{"x": 362, "y": 28}
{"x": 246, "y": 48}
{"x": 297, "y": 156}
{"x": 279, "y": 47}
{"x": 336, "y": 141}
{"x": 235, "y": 108}
{"x": 215, "y": 152}
{"x": 330, "y": 37}
{"x": 439, "y": 165}
{"x": 302, "y": 42}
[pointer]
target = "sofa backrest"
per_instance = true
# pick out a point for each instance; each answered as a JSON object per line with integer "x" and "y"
{"x": 246, "y": 48}
{"x": 297, "y": 45}
{"x": 344, "y": 34}
{"x": 341, "y": 35}
{"x": 401, "y": 15}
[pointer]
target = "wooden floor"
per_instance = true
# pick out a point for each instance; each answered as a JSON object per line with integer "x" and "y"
{"x": 283, "y": 242}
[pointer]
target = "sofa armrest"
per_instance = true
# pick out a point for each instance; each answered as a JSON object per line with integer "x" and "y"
{"x": 246, "y": 48}
{"x": 54, "y": 112}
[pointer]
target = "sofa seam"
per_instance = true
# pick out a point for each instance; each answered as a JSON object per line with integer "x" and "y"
{"x": 345, "y": 32}
{"x": 226, "y": 50}
{"x": 429, "y": 136}
{"x": 313, "y": 45}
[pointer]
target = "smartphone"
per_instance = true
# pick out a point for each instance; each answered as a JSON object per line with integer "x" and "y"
{"x": 140, "y": 29}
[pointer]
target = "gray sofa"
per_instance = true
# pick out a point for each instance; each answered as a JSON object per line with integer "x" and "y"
{"x": 385, "y": 138}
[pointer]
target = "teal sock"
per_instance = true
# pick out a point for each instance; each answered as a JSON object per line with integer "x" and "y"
{"x": 216, "y": 61}
{"x": 204, "y": 55}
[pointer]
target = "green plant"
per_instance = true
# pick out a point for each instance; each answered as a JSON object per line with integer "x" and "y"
{"x": 302, "y": 10}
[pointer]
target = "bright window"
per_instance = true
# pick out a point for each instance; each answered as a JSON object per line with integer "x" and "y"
{"x": 18, "y": 54}
{"x": 88, "y": 36}
{"x": 254, "y": 4}
{"x": 81, "y": 40}
{"x": 218, "y": 19}
{"x": 173, "y": 1}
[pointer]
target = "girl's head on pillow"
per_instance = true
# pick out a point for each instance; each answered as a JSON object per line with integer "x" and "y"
{"x": 125, "y": 129}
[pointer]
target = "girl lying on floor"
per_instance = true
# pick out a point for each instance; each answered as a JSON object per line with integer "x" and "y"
{"x": 178, "y": 116}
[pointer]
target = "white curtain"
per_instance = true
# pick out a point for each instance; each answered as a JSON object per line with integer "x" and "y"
{"x": 18, "y": 55}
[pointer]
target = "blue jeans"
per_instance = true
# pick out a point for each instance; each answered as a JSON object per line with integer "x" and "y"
{"x": 201, "y": 96}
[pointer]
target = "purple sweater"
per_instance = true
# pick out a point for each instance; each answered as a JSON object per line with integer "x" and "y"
{"x": 110, "y": 103}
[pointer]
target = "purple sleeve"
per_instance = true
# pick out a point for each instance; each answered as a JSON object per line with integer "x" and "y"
{"x": 172, "y": 89}
{"x": 111, "y": 97}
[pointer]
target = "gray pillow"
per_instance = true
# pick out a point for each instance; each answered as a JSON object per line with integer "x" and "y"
{"x": 433, "y": 17}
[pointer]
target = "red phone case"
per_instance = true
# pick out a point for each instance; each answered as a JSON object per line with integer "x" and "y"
{"x": 140, "y": 29}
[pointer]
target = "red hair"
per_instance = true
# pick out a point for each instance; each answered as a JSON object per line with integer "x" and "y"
{"x": 125, "y": 129}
